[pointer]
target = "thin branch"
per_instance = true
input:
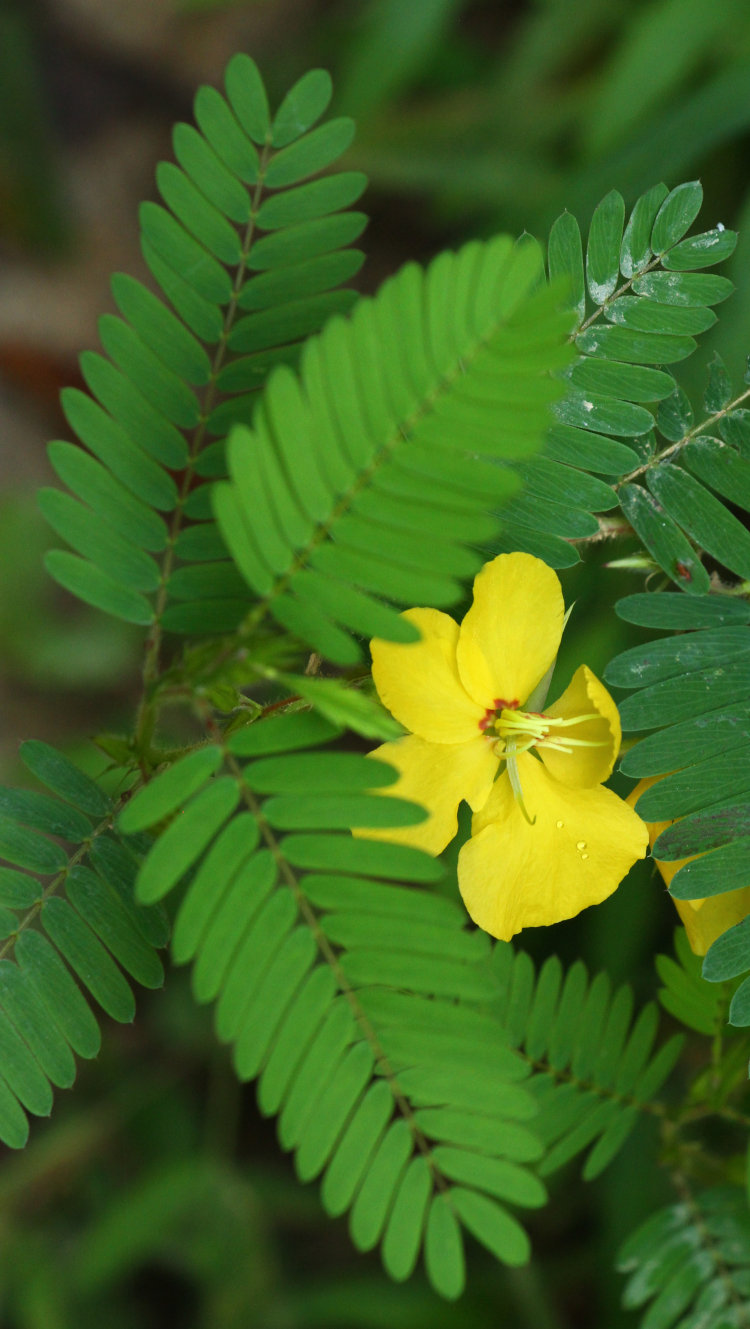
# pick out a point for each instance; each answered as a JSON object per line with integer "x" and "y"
{"x": 146, "y": 717}
{"x": 691, "y": 433}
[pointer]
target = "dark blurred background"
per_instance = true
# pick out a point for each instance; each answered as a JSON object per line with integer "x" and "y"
{"x": 156, "y": 1196}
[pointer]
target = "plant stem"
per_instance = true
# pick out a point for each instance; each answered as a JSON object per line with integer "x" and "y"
{"x": 532, "y": 1298}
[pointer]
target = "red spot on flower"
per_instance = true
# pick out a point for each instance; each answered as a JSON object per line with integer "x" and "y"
{"x": 499, "y": 704}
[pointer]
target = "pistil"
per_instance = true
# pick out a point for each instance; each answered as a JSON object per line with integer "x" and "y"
{"x": 518, "y": 731}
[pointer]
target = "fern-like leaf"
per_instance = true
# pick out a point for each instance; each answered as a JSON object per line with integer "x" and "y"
{"x": 596, "y": 1073}
{"x": 639, "y": 306}
{"x": 693, "y": 691}
{"x": 373, "y": 476}
{"x": 61, "y": 911}
{"x": 359, "y": 1003}
{"x": 249, "y": 252}
{"x": 686, "y": 994}
{"x": 691, "y": 1261}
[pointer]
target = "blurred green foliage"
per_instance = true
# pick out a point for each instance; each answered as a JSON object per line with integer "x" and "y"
{"x": 31, "y": 205}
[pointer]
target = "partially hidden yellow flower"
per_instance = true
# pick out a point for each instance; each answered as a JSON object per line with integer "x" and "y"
{"x": 704, "y": 920}
{"x": 547, "y": 840}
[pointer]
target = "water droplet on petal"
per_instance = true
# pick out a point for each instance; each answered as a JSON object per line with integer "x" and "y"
{"x": 584, "y": 855}
{"x": 581, "y": 845}
{"x": 559, "y": 825}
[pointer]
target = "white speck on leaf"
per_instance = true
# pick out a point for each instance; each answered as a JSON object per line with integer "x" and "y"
{"x": 600, "y": 291}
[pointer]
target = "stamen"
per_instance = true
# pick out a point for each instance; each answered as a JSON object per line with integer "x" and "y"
{"x": 516, "y": 732}
{"x": 559, "y": 723}
{"x": 569, "y": 744}
{"x": 521, "y": 722}
{"x": 582, "y": 743}
{"x": 532, "y": 729}
{"x": 515, "y": 784}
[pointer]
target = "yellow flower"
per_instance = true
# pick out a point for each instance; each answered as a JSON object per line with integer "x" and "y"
{"x": 706, "y": 919}
{"x": 547, "y": 840}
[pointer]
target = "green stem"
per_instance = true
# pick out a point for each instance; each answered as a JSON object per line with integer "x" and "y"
{"x": 146, "y": 716}
{"x": 532, "y": 1298}
{"x": 691, "y": 433}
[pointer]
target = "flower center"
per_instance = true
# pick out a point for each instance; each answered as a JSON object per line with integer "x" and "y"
{"x": 513, "y": 731}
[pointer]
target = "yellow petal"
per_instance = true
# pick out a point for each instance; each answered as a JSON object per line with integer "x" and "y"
{"x": 510, "y": 636}
{"x": 439, "y": 776}
{"x": 705, "y": 919}
{"x": 584, "y": 695}
{"x": 419, "y": 682}
{"x": 655, "y": 829}
{"x": 583, "y": 842}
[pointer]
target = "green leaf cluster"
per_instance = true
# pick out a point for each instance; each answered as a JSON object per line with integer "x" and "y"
{"x": 378, "y": 474}
{"x": 595, "y": 1071}
{"x": 692, "y": 690}
{"x": 691, "y": 1261}
{"x": 360, "y": 1005}
{"x": 686, "y": 994}
{"x": 65, "y": 915}
{"x": 277, "y": 468}
{"x": 250, "y": 254}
